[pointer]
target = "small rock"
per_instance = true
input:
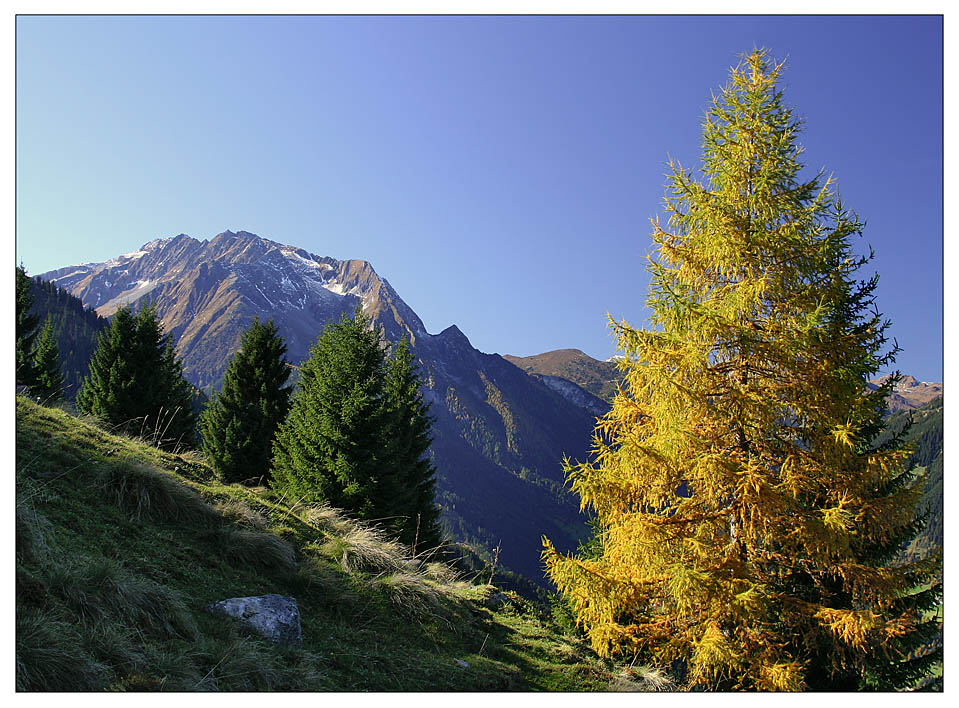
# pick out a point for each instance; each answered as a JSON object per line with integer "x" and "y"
{"x": 275, "y": 617}
{"x": 498, "y": 600}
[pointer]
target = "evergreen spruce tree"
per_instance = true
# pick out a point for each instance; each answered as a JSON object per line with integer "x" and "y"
{"x": 26, "y": 330}
{"x": 239, "y": 424}
{"x": 110, "y": 392}
{"x": 136, "y": 381}
{"x": 410, "y": 489}
{"x": 49, "y": 383}
{"x": 170, "y": 408}
{"x": 330, "y": 447}
{"x": 745, "y": 517}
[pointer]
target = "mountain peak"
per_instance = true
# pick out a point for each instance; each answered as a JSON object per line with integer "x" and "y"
{"x": 600, "y": 378}
{"x": 236, "y": 234}
{"x": 221, "y": 284}
{"x": 454, "y": 333}
{"x": 161, "y": 242}
{"x": 909, "y": 392}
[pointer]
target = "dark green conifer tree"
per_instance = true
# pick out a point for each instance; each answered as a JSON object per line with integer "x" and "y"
{"x": 49, "y": 381}
{"x": 26, "y": 330}
{"x": 240, "y": 423}
{"x": 110, "y": 391}
{"x": 136, "y": 381}
{"x": 330, "y": 448}
{"x": 410, "y": 488}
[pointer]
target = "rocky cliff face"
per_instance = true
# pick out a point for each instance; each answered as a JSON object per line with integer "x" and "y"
{"x": 500, "y": 435}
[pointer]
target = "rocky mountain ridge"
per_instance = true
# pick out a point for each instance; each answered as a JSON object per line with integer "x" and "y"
{"x": 909, "y": 393}
{"x": 203, "y": 287}
{"x": 600, "y": 379}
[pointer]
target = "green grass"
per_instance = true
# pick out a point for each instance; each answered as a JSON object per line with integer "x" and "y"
{"x": 121, "y": 546}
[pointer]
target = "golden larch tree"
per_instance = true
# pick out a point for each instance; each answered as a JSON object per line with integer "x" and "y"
{"x": 743, "y": 513}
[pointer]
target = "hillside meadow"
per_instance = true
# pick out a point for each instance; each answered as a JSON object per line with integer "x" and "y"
{"x": 120, "y": 547}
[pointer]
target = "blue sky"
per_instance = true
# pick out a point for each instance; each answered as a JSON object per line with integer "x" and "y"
{"x": 500, "y": 172}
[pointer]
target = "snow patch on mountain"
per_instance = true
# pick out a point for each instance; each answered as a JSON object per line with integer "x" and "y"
{"x": 294, "y": 257}
{"x": 154, "y": 244}
{"x": 131, "y": 256}
{"x": 336, "y": 288}
{"x": 264, "y": 296}
{"x": 132, "y": 293}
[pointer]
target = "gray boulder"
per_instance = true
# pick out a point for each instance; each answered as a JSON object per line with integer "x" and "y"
{"x": 275, "y": 617}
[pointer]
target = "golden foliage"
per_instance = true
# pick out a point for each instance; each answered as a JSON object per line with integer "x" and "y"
{"x": 732, "y": 479}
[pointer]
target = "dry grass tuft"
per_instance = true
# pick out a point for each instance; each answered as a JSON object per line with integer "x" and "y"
{"x": 326, "y": 519}
{"x": 149, "y": 494}
{"x": 256, "y": 549}
{"x": 442, "y": 573}
{"x": 641, "y": 679}
{"x": 240, "y": 513}
{"x": 367, "y": 550}
{"x": 410, "y": 594}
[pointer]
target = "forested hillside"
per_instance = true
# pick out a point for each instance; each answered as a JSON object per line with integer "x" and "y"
{"x": 924, "y": 431}
{"x": 76, "y": 329}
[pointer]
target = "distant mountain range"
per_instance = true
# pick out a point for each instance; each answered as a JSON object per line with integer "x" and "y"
{"x": 499, "y": 436}
{"x": 601, "y": 379}
{"x": 909, "y": 393}
{"x": 598, "y": 378}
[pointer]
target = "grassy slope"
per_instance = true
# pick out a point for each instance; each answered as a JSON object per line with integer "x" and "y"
{"x": 120, "y": 547}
